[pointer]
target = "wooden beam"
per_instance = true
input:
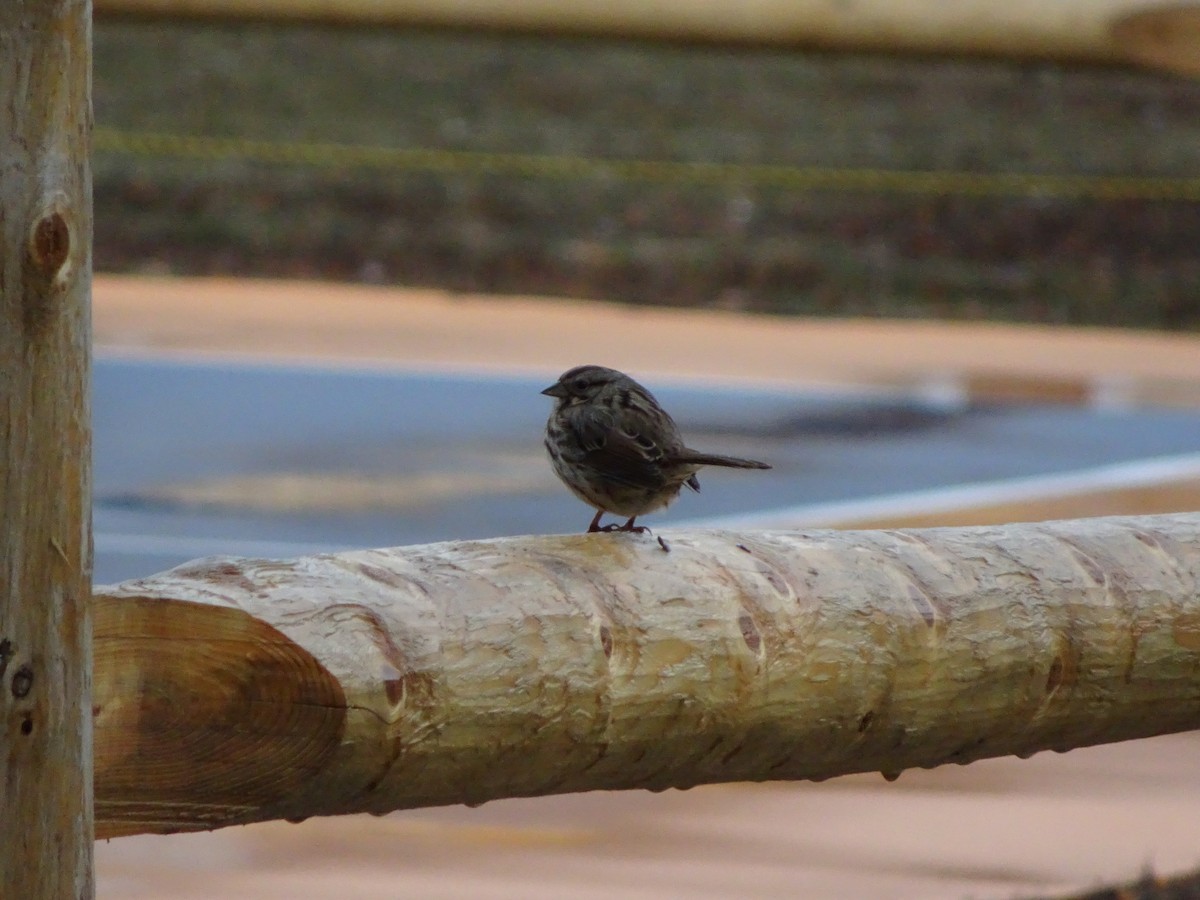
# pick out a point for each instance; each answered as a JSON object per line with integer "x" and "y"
{"x": 45, "y": 449}
{"x": 236, "y": 690}
{"x": 1148, "y": 32}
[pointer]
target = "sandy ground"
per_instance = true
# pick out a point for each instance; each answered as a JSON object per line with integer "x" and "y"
{"x": 434, "y": 329}
{"x": 996, "y": 829}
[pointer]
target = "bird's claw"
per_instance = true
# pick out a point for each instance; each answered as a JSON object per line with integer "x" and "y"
{"x": 596, "y": 528}
{"x": 613, "y": 527}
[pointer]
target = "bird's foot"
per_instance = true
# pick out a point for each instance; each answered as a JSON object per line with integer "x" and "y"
{"x": 596, "y": 528}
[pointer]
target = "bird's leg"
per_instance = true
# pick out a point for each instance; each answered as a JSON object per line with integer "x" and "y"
{"x": 635, "y": 529}
{"x": 595, "y": 526}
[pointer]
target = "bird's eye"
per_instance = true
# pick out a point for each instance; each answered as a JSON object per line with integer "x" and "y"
{"x": 580, "y": 384}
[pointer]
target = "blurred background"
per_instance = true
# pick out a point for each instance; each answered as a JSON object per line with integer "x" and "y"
{"x": 937, "y": 267}
{"x": 769, "y": 179}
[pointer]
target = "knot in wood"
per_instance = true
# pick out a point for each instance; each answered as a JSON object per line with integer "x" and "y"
{"x": 22, "y": 682}
{"x": 50, "y": 243}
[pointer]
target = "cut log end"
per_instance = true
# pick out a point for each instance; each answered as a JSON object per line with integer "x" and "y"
{"x": 1167, "y": 37}
{"x": 194, "y": 690}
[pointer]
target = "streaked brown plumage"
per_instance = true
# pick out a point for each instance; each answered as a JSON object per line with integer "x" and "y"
{"x": 617, "y": 450}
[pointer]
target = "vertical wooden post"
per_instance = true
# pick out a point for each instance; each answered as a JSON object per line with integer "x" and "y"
{"x": 45, "y": 450}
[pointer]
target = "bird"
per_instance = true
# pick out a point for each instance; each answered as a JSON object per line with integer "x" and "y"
{"x": 617, "y": 449}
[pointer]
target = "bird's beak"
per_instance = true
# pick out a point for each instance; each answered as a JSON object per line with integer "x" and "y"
{"x": 556, "y": 390}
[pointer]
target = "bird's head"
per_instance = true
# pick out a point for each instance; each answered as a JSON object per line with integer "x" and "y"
{"x": 584, "y": 383}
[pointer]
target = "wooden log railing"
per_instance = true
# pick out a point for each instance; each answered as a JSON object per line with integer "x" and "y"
{"x": 235, "y": 690}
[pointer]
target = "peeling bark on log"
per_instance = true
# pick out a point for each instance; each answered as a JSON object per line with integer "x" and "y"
{"x": 45, "y": 449}
{"x": 234, "y": 690}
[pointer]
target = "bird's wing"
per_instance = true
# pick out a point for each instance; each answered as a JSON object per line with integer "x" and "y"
{"x": 623, "y": 453}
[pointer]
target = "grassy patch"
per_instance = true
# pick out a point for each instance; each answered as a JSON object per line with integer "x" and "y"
{"x": 746, "y": 246}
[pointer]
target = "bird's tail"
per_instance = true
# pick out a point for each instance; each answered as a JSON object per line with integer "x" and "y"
{"x": 714, "y": 459}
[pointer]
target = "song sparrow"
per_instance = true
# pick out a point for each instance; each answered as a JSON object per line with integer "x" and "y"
{"x": 617, "y": 449}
